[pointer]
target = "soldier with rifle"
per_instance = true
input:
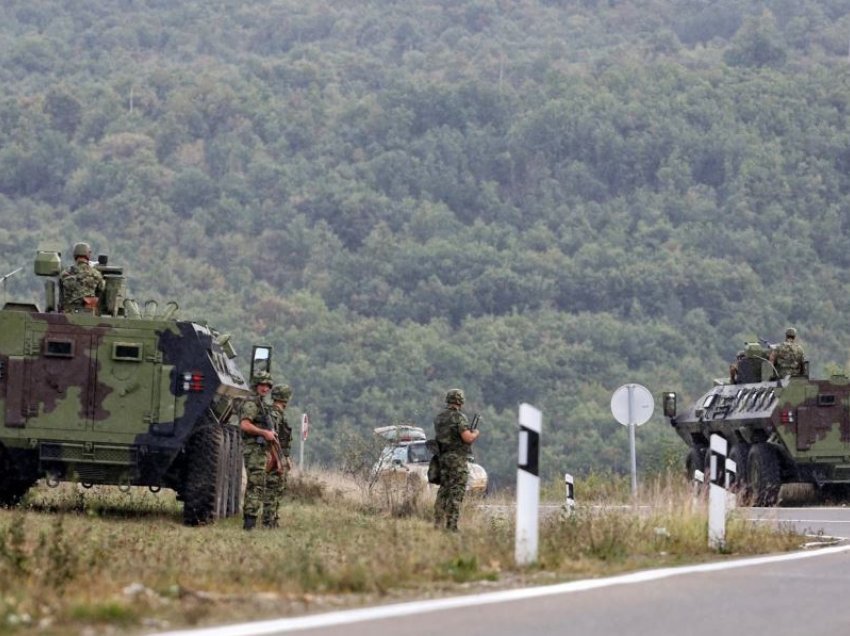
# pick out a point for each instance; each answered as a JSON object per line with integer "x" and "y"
{"x": 260, "y": 451}
{"x": 454, "y": 436}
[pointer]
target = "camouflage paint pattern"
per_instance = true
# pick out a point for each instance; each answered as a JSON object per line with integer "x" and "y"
{"x": 104, "y": 399}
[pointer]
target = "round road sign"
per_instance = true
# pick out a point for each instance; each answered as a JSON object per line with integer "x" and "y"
{"x": 632, "y": 404}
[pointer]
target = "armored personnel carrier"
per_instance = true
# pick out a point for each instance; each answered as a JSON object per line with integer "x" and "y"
{"x": 119, "y": 395}
{"x": 780, "y": 431}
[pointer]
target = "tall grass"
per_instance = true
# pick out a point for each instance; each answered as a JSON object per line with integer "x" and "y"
{"x": 71, "y": 559}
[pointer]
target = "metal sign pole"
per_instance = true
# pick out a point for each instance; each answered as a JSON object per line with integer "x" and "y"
{"x": 632, "y": 442}
{"x": 632, "y": 406}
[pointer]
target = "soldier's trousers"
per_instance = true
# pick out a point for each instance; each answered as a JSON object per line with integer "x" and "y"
{"x": 263, "y": 490}
{"x": 454, "y": 473}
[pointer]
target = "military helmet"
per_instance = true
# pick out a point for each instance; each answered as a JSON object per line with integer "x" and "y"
{"x": 454, "y": 396}
{"x": 81, "y": 249}
{"x": 262, "y": 377}
{"x": 790, "y": 332}
{"x": 282, "y": 392}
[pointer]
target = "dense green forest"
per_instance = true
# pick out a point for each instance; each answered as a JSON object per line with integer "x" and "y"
{"x": 535, "y": 200}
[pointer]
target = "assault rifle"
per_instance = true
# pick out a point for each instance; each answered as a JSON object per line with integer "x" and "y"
{"x": 274, "y": 463}
{"x": 476, "y": 420}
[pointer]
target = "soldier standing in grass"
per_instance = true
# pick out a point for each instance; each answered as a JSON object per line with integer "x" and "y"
{"x": 454, "y": 437}
{"x": 81, "y": 283}
{"x": 276, "y": 479}
{"x": 258, "y": 435}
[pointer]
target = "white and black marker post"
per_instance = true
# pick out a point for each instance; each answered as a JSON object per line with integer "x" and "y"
{"x": 717, "y": 492}
{"x": 528, "y": 484}
{"x": 570, "y": 503}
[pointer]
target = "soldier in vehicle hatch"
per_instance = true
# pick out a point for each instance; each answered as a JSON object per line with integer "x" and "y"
{"x": 81, "y": 283}
{"x": 788, "y": 356}
{"x": 454, "y": 437}
{"x": 733, "y": 368}
{"x": 258, "y": 438}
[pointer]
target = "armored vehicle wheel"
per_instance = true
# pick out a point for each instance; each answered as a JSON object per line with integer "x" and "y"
{"x": 763, "y": 474}
{"x": 223, "y": 476}
{"x": 231, "y": 473}
{"x": 739, "y": 454}
{"x": 201, "y": 490}
{"x": 695, "y": 461}
{"x": 12, "y": 489}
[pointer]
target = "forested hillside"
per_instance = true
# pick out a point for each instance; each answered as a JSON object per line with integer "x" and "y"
{"x": 535, "y": 201}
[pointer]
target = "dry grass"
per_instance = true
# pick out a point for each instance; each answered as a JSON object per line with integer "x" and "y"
{"x": 75, "y": 559}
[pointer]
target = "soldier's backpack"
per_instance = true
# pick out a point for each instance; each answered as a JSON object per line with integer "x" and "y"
{"x": 434, "y": 465}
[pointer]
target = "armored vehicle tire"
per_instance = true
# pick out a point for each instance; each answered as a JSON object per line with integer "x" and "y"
{"x": 201, "y": 490}
{"x": 763, "y": 474}
{"x": 12, "y": 490}
{"x": 232, "y": 473}
{"x": 695, "y": 461}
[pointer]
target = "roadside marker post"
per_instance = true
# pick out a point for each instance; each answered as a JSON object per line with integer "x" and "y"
{"x": 528, "y": 484}
{"x": 718, "y": 478}
{"x": 570, "y": 503}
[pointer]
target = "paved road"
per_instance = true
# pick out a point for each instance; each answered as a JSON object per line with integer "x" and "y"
{"x": 832, "y": 522}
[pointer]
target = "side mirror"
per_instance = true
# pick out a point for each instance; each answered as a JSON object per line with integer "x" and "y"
{"x": 668, "y": 400}
{"x": 261, "y": 359}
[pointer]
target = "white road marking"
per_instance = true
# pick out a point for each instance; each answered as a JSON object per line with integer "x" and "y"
{"x": 420, "y": 607}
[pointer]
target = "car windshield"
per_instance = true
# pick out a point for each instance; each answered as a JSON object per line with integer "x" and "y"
{"x": 419, "y": 453}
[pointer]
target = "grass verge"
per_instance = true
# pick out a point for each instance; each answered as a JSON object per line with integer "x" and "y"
{"x": 103, "y": 561}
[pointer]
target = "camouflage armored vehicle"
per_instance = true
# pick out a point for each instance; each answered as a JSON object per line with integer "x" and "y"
{"x": 780, "y": 431}
{"x": 119, "y": 395}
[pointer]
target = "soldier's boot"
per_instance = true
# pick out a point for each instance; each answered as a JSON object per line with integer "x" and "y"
{"x": 249, "y": 522}
{"x": 270, "y": 523}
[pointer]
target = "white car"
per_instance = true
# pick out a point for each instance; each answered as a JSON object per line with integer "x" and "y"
{"x": 408, "y": 455}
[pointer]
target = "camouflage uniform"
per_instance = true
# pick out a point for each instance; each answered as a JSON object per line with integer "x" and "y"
{"x": 277, "y": 481}
{"x": 79, "y": 281}
{"x": 454, "y": 466}
{"x": 789, "y": 358}
{"x": 260, "y": 495}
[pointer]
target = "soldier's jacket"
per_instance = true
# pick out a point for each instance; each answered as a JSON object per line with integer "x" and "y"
{"x": 789, "y": 358}
{"x": 284, "y": 430}
{"x": 78, "y": 281}
{"x": 448, "y": 426}
{"x": 258, "y": 413}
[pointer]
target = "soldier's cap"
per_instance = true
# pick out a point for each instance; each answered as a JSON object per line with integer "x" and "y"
{"x": 282, "y": 392}
{"x": 82, "y": 249}
{"x": 262, "y": 377}
{"x": 455, "y": 396}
